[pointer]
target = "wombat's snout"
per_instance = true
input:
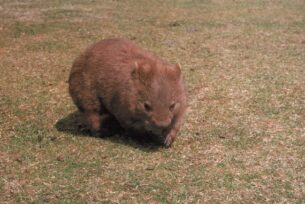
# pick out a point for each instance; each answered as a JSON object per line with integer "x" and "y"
{"x": 158, "y": 127}
{"x": 163, "y": 124}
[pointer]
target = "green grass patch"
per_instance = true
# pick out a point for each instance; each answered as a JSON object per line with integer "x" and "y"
{"x": 47, "y": 46}
{"x": 20, "y": 29}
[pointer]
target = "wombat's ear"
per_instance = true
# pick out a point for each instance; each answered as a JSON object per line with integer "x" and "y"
{"x": 140, "y": 71}
{"x": 134, "y": 72}
{"x": 178, "y": 69}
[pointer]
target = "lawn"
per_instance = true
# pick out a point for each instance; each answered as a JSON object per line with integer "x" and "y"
{"x": 243, "y": 140}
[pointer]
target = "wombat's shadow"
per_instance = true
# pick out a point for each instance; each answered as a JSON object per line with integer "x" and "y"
{"x": 72, "y": 124}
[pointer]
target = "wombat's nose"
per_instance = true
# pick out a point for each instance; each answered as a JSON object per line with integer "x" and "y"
{"x": 163, "y": 124}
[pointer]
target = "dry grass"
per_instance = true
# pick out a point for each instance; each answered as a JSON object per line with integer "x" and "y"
{"x": 244, "y": 138}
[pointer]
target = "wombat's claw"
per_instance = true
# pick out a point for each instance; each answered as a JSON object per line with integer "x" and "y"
{"x": 168, "y": 141}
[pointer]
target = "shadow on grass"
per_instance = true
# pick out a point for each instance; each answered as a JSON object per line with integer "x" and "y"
{"x": 72, "y": 124}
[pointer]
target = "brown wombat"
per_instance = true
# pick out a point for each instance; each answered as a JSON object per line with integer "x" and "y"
{"x": 117, "y": 79}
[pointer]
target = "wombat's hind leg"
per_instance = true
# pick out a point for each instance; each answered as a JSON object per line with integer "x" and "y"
{"x": 110, "y": 126}
{"x": 93, "y": 120}
{"x": 99, "y": 122}
{"x": 89, "y": 107}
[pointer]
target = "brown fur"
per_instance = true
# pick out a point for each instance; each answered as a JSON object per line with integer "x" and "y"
{"x": 117, "y": 79}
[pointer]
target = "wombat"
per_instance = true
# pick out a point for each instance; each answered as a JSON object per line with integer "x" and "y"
{"x": 116, "y": 79}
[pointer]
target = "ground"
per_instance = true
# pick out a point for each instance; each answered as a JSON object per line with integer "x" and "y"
{"x": 243, "y": 140}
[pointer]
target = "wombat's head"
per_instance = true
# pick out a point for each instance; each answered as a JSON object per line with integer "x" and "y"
{"x": 160, "y": 95}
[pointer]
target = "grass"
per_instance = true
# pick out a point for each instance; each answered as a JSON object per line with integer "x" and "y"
{"x": 244, "y": 137}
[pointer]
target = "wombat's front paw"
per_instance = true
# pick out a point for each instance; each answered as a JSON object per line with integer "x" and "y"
{"x": 169, "y": 139}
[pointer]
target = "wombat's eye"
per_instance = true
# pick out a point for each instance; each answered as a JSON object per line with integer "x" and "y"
{"x": 147, "y": 106}
{"x": 172, "y": 106}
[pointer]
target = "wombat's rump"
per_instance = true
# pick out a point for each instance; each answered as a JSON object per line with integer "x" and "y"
{"x": 116, "y": 79}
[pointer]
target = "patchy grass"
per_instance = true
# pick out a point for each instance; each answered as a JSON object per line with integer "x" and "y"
{"x": 244, "y": 137}
{"x": 20, "y": 29}
{"x": 47, "y": 46}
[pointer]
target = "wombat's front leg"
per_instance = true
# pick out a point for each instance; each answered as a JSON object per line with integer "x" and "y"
{"x": 171, "y": 136}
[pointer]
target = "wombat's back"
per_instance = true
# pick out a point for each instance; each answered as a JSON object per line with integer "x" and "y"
{"x": 110, "y": 62}
{"x": 113, "y": 55}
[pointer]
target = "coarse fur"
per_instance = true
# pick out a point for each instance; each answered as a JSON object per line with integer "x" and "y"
{"x": 116, "y": 79}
